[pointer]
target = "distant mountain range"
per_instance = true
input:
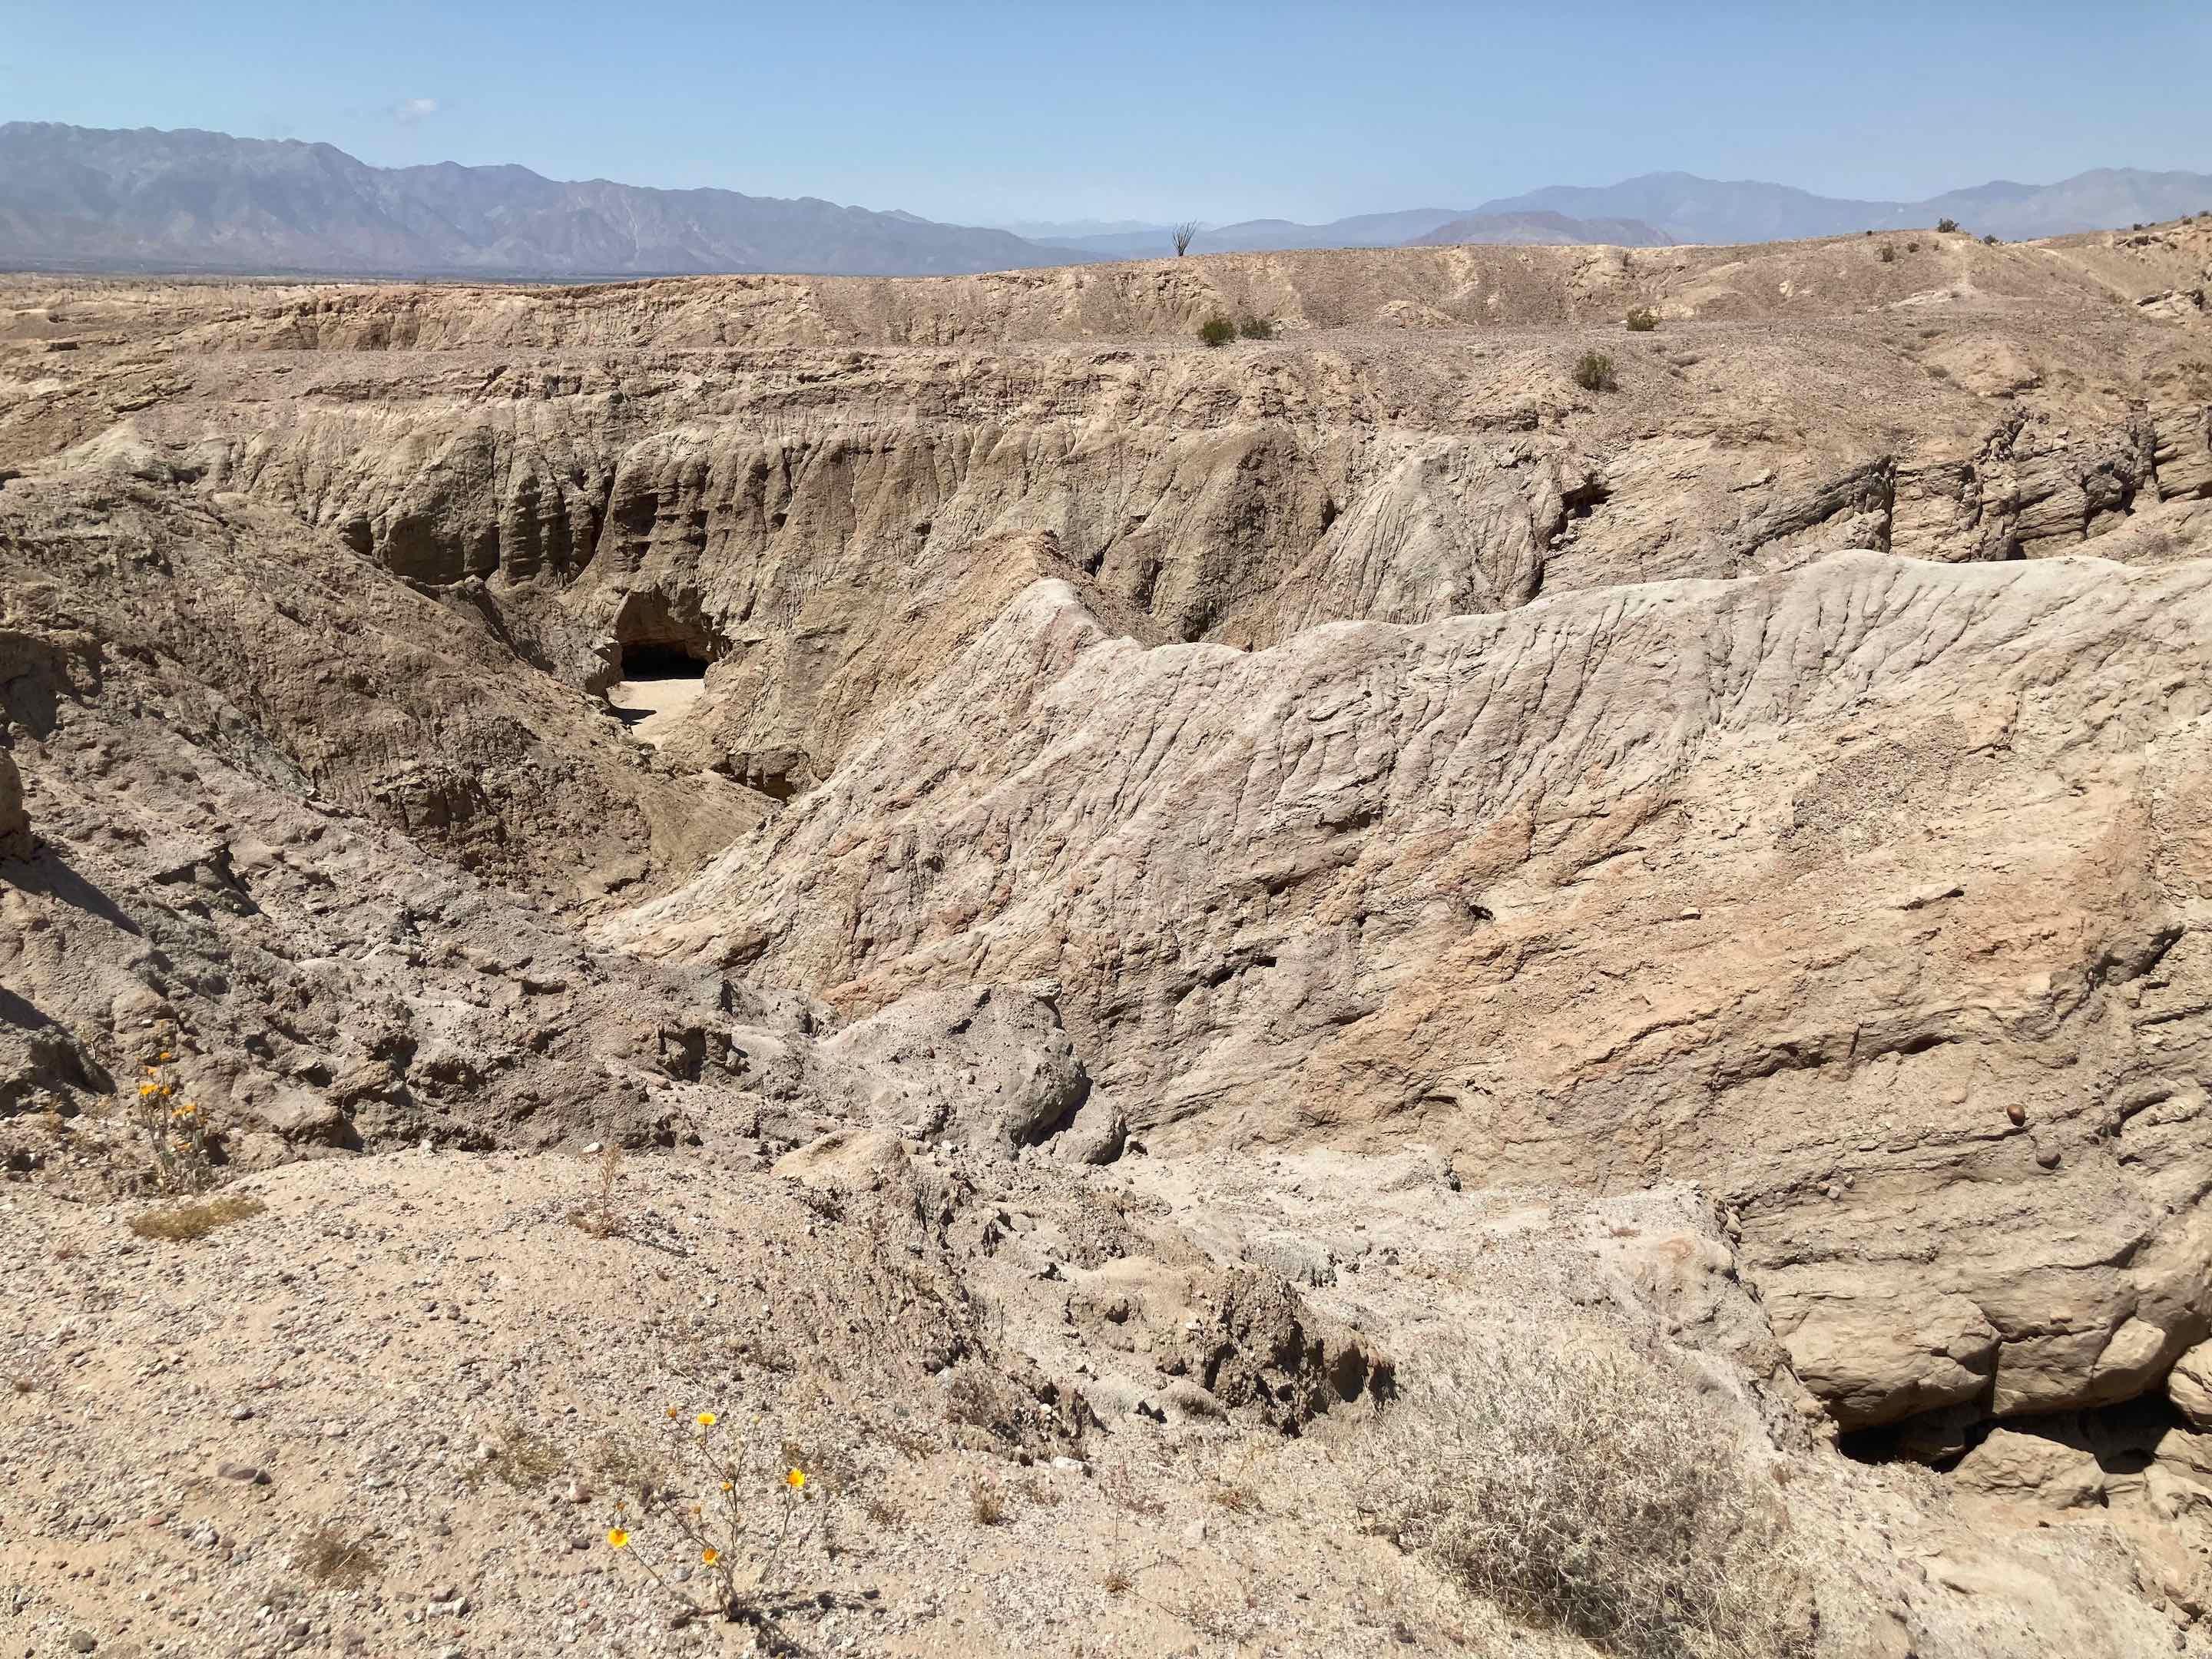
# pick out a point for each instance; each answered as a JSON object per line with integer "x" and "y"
{"x": 91, "y": 199}
{"x": 1688, "y": 209}
{"x": 1662, "y": 208}
{"x": 81, "y": 197}
{"x": 1541, "y": 229}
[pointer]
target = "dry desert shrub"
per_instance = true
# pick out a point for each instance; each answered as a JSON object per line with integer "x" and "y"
{"x": 191, "y": 1221}
{"x": 1643, "y": 320}
{"x": 1216, "y": 331}
{"x": 1594, "y": 372}
{"x": 1594, "y": 1492}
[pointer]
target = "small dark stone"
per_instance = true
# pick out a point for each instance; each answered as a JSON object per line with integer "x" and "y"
{"x": 245, "y": 1472}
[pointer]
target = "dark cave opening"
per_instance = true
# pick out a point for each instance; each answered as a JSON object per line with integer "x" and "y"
{"x": 2123, "y": 1438}
{"x": 662, "y": 660}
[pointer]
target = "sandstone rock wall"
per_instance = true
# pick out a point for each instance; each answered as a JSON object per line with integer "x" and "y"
{"x": 1367, "y": 886}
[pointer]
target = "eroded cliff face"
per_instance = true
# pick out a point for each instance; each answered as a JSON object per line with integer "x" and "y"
{"x": 1782, "y": 775}
{"x": 820, "y": 524}
{"x": 1829, "y": 890}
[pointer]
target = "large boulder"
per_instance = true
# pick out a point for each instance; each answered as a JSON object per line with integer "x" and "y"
{"x": 988, "y": 1066}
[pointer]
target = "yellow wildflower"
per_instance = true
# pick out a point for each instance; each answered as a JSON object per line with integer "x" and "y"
{"x": 796, "y": 1480}
{"x": 729, "y": 1486}
{"x": 673, "y": 1413}
{"x": 710, "y": 1556}
{"x": 706, "y": 1419}
{"x": 617, "y": 1537}
{"x": 145, "y": 1088}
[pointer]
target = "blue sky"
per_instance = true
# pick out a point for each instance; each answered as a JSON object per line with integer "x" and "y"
{"x": 985, "y": 113}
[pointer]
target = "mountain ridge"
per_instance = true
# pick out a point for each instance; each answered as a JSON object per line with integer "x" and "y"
{"x": 144, "y": 197}
{"x": 1692, "y": 209}
{"x": 190, "y": 199}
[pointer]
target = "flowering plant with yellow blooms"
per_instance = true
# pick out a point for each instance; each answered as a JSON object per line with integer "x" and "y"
{"x": 751, "y": 1506}
{"x": 179, "y": 1135}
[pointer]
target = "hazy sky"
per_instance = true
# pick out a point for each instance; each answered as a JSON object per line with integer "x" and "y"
{"x": 982, "y": 113}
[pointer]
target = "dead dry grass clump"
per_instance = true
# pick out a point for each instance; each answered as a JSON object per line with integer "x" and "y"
{"x": 987, "y": 1505}
{"x": 602, "y": 1218}
{"x": 330, "y": 1558}
{"x": 1594, "y": 1492}
{"x": 521, "y": 1461}
{"x": 189, "y": 1221}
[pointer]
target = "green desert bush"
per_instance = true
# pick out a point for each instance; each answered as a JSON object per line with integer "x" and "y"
{"x": 1217, "y": 331}
{"x": 1592, "y": 1490}
{"x": 1643, "y": 320}
{"x": 1888, "y": 254}
{"x": 1594, "y": 372}
{"x": 1946, "y": 226}
{"x": 1255, "y": 328}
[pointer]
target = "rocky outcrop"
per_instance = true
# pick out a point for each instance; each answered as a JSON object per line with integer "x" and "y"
{"x": 991, "y": 1066}
{"x": 16, "y": 840}
{"x": 1362, "y": 886}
